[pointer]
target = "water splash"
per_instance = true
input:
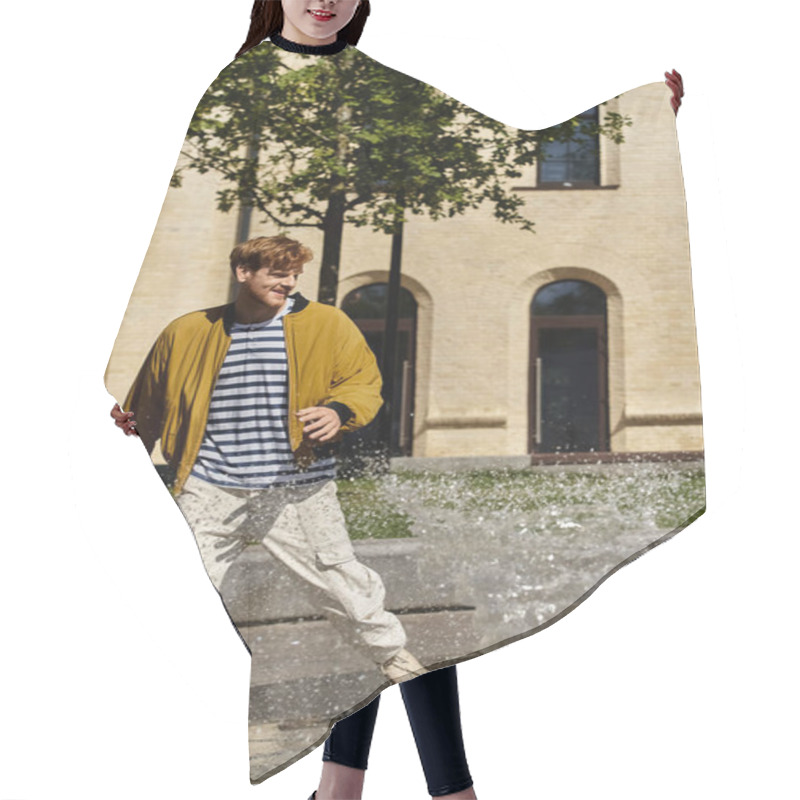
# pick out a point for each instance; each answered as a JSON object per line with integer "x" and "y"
{"x": 521, "y": 546}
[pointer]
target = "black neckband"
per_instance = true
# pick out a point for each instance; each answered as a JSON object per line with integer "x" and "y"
{"x": 309, "y": 49}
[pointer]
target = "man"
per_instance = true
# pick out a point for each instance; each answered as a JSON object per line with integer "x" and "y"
{"x": 245, "y": 400}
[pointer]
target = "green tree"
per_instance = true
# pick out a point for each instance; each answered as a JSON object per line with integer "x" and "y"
{"x": 345, "y": 140}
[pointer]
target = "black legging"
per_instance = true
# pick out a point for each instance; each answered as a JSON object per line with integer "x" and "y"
{"x": 432, "y": 707}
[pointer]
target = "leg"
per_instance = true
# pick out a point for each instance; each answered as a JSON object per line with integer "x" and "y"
{"x": 310, "y": 539}
{"x": 351, "y": 737}
{"x": 346, "y": 754}
{"x": 216, "y": 516}
{"x": 433, "y": 711}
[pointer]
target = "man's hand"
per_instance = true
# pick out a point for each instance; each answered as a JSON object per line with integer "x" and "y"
{"x": 320, "y": 424}
{"x": 675, "y": 82}
{"x": 124, "y": 420}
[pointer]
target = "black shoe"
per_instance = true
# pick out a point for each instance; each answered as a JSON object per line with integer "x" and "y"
{"x": 313, "y": 795}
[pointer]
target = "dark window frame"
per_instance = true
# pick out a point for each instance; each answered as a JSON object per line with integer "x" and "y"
{"x": 402, "y": 432}
{"x": 591, "y": 115}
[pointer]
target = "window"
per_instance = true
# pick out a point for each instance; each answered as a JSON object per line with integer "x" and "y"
{"x": 569, "y": 369}
{"x": 366, "y": 306}
{"x": 569, "y": 298}
{"x": 572, "y": 159}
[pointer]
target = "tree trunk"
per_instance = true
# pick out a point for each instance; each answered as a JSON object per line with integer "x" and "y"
{"x": 331, "y": 249}
{"x": 333, "y": 225}
{"x": 245, "y": 218}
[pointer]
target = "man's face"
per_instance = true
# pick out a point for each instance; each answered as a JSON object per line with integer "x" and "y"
{"x": 267, "y": 287}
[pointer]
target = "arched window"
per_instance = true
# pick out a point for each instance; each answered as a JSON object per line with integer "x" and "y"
{"x": 369, "y": 303}
{"x": 569, "y": 298}
{"x": 569, "y": 369}
{"x": 366, "y": 306}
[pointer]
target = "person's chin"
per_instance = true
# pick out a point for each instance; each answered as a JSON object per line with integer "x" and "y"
{"x": 320, "y": 30}
{"x": 277, "y": 303}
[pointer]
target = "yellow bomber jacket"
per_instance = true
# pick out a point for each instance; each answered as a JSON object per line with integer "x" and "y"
{"x": 329, "y": 364}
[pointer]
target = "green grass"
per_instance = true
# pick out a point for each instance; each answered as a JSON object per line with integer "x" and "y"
{"x": 667, "y": 496}
{"x": 368, "y": 514}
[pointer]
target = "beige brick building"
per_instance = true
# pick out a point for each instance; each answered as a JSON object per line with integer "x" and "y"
{"x": 489, "y": 371}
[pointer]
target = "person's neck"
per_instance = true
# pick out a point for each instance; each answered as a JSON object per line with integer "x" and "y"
{"x": 316, "y": 47}
{"x": 246, "y": 312}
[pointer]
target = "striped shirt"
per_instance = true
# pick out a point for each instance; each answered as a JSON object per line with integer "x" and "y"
{"x": 246, "y": 441}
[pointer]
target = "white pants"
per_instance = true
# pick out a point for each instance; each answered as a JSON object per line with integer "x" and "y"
{"x": 303, "y": 528}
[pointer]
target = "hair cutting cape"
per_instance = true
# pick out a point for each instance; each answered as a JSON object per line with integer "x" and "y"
{"x": 528, "y": 298}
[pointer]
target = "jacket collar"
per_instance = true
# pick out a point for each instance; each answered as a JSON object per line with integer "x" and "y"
{"x": 300, "y": 302}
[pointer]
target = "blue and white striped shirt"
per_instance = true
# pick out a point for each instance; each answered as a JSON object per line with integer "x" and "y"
{"x": 246, "y": 441}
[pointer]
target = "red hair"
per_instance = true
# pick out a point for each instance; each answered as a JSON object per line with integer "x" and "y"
{"x": 278, "y": 253}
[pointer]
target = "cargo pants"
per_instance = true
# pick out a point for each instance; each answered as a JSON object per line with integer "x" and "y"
{"x": 303, "y": 528}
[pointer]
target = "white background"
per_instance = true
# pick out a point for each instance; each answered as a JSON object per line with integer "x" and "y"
{"x": 121, "y": 676}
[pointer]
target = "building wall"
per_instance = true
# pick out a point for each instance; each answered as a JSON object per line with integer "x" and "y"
{"x": 474, "y": 279}
{"x": 185, "y": 268}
